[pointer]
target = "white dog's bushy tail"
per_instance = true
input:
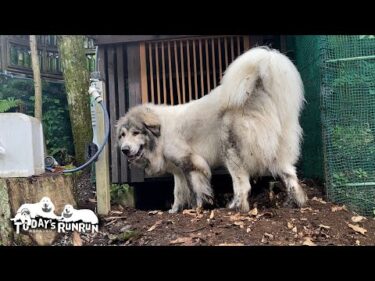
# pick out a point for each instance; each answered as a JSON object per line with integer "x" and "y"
{"x": 268, "y": 70}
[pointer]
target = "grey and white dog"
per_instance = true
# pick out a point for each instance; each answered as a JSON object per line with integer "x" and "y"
{"x": 249, "y": 124}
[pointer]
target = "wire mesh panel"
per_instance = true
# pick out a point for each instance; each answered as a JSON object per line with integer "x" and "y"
{"x": 340, "y": 70}
{"x": 348, "y": 116}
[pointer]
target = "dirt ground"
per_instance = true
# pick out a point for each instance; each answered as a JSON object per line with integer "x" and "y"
{"x": 268, "y": 223}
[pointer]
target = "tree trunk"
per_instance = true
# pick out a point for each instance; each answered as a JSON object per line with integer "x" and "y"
{"x": 16, "y": 191}
{"x": 76, "y": 77}
{"x": 37, "y": 78}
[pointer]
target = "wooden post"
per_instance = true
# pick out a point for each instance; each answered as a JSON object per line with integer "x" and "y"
{"x": 102, "y": 164}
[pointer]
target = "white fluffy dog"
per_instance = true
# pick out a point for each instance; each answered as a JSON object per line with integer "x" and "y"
{"x": 249, "y": 124}
{"x": 70, "y": 214}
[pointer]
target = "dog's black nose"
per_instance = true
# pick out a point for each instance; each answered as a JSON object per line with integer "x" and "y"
{"x": 125, "y": 150}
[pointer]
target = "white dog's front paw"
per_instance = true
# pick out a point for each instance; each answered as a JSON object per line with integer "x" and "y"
{"x": 175, "y": 209}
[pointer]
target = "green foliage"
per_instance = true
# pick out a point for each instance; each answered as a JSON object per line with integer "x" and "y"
{"x": 56, "y": 121}
{"x": 9, "y": 103}
{"x": 122, "y": 194}
{"x": 351, "y": 144}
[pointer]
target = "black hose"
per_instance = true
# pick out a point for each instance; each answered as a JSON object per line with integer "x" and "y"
{"x": 93, "y": 158}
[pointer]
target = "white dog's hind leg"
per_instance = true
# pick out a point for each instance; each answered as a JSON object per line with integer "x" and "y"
{"x": 200, "y": 184}
{"x": 181, "y": 193}
{"x": 294, "y": 189}
{"x": 241, "y": 187}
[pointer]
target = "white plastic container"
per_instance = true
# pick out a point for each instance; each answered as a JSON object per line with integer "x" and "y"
{"x": 21, "y": 145}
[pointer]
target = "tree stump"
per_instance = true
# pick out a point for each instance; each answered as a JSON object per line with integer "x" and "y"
{"x": 16, "y": 191}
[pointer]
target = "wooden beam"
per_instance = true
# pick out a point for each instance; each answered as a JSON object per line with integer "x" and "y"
{"x": 182, "y": 72}
{"x": 246, "y": 43}
{"x": 157, "y": 72}
{"x": 103, "y": 183}
{"x": 163, "y": 74}
{"x": 116, "y": 39}
{"x": 195, "y": 72}
{"x": 121, "y": 93}
{"x": 112, "y": 80}
{"x": 177, "y": 72}
{"x": 170, "y": 73}
{"x": 144, "y": 89}
{"x": 213, "y": 61}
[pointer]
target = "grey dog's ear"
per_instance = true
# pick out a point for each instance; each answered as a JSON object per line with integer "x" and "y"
{"x": 154, "y": 129}
{"x": 151, "y": 122}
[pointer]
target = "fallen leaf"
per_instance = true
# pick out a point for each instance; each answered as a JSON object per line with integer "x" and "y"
{"x": 152, "y": 212}
{"x": 155, "y": 225}
{"x": 190, "y": 212}
{"x": 248, "y": 229}
{"x": 338, "y": 208}
{"x": 289, "y": 225}
{"x": 125, "y": 228}
{"x": 357, "y": 242}
{"x": 77, "y": 241}
{"x": 320, "y": 200}
{"x": 266, "y": 214}
{"x": 231, "y": 244}
{"x": 238, "y": 217}
{"x": 212, "y": 215}
{"x": 303, "y": 219}
{"x": 324, "y": 226}
{"x": 357, "y": 228}
{"x": 253, "y": 212}
{"x": 305, "y": 209}
{"x": 294, "y": 229}
{"x": 160, "y": 213}
{"x": 308, "y": 242}
{"x": 268, "y": 235}
{"x": 116, "y": 212}
{"x": 182, "y": 240}
{"x": 239, "y": 223}
{"x": 358, "y": 218}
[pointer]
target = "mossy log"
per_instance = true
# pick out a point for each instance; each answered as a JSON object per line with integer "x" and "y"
{"x": 76, "y": 76}
{"x": 16, "y": 191}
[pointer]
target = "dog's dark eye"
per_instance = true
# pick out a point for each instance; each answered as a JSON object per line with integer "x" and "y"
{"x": 135, "y": 133}
{"x": 123, "y": 134}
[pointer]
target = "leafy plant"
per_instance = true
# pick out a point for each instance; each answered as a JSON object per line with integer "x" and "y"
{"x": 122, "y": 194}
{"x": 340, "y": 179}
{"x": 9, "y": 103}
{"x": 351, "y": 143}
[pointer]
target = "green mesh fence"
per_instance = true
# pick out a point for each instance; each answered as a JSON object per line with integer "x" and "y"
{"x": 345, "y": 76}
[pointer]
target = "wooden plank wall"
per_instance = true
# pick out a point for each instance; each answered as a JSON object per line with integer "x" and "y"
{"x": 179, "y": 70}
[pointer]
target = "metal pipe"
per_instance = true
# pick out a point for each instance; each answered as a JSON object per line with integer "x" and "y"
{"x": 352, "y": 59}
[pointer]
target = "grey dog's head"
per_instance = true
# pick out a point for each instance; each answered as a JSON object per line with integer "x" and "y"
{"x": 137, "y": 132}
